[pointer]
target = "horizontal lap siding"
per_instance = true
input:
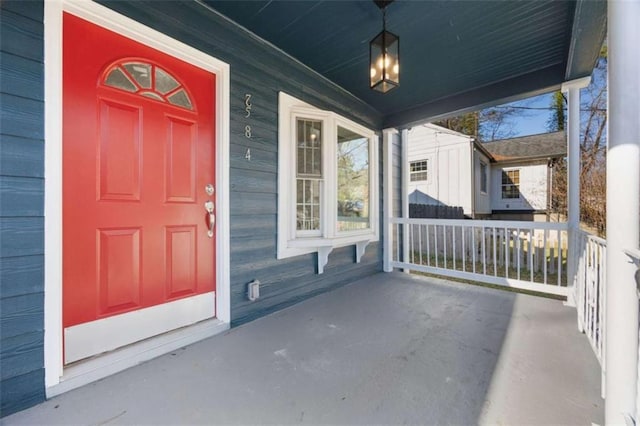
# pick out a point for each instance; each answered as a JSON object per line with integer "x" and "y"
{"x": 21, "y": 205}
{"x": 259, "y": 69}
{"x": 256, "y": 68}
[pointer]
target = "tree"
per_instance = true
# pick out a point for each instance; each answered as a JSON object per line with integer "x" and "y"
{"x": 467, "y": 124}
{"x": 498, "y": 123}
{"x": 558, "y": 118}
{"x": 488, "y": 124}
{"x": 592, "y": 149}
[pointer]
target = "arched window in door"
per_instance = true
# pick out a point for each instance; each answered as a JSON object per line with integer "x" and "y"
{"x": 149, "y": 80}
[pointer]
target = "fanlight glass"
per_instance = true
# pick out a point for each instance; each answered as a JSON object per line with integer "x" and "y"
{"x": 148, "y": 80}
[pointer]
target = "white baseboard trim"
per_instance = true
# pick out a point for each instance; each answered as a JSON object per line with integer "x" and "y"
{"x": 108, "y": 334}
{"x": 99, "y": 367}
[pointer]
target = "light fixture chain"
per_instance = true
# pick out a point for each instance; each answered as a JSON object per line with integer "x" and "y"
{"x": 384, "y": 18}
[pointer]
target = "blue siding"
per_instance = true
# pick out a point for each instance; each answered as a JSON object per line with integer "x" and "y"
{"x": 263, "y": 71}
{"x": 256, "y": 68}
{"x": 21, "y": 157}
{"x": 21, "y": 275}
{"x": 21, "y": 205}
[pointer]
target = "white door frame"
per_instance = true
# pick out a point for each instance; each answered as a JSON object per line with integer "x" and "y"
{"x": 57, "y": 378}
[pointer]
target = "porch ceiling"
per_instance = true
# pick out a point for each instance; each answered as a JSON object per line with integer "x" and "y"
{"x": 454, "y": 55}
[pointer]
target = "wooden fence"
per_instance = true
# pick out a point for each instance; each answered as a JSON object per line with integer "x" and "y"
{"x": 427, "y": 211}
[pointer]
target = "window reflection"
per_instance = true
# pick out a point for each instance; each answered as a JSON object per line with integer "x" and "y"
{"x": 353, "y": 181}
{"x": 309, "y": 174}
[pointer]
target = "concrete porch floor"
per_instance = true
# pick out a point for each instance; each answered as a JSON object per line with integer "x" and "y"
{"x": 388, "y": 349}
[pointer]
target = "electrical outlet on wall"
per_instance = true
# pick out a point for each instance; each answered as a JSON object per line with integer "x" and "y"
{"x": 253, "y": 290}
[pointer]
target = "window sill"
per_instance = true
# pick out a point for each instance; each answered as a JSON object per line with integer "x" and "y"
{"x": 324, "y": 246}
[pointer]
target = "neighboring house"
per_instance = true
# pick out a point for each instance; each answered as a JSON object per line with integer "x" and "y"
{"x": 443, "y": 167}
{"x": 522, "y": 175}
{"x": 505, "y": 179}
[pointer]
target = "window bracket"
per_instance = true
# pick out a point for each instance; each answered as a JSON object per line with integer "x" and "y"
{"x": 323, "y": 257}
{"x": 360, "y": 248}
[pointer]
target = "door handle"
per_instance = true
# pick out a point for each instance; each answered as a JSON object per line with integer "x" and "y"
{"x": 211, "y": 218}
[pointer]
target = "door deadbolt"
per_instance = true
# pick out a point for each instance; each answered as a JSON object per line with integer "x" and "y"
{"x": 209, "y": 189}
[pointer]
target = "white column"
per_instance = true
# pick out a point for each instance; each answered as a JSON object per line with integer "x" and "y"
{"x": 623, "y": 199}
{"x": 388, "y": 136}
{"x": 572, "y": 88}
{"x": 404, "y": 141}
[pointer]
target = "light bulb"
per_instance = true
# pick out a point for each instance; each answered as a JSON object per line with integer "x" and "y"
{"x": 379, "y": 62}
{"x": 373, "y": 72}
{"x": 396, "y": 68}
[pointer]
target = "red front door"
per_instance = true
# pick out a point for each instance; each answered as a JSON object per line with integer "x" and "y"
{"x": 138, "y": 178}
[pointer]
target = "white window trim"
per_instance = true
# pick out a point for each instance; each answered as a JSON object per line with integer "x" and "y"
{"x": 289, "y": 242}
{"x": 511, "y": 169}
{"x": 486, "y": 177}
{"x": 427, "y": 160}
{"x": 60, "y": 379}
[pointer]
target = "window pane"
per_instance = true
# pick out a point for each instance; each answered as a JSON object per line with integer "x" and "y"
{"x": 308, "y": 205}
{"x": 152, "y": 96}
{"x": 164, "y": 82}
{"x": 511, "y": 184}
{"x": 483, "y": 177}
{"x": 180, "y": 98}
{"x": 418, "y": 170}
{"x": 141, "y": 73}
{"x": 118, "y": 79}
{"x": 353, "y": 181}
{"x": 136, "y": 77}
{"x": 309, "y": 143}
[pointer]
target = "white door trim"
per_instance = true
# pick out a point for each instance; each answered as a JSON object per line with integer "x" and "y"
{"x": 100, "y": 15}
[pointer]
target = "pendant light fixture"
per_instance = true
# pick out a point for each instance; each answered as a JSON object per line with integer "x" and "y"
{"x": 384, "y": 55}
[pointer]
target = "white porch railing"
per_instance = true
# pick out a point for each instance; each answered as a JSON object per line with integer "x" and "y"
{"x": 525, "y": 255}
{"x": 590, "y": 292}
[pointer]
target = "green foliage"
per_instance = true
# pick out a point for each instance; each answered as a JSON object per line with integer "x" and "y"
{"x": 558, "y": 119}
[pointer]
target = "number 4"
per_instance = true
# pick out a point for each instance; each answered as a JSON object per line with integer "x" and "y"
{"x": 247, "y": 155}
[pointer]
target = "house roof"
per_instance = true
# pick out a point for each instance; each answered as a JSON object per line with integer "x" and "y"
{"x": 544, "y": 145}
{"x": 455, "y": 56}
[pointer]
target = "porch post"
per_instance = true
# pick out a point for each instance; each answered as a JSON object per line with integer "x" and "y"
{"x": 388, "y": 199}
{"x": 572, "y": 88}
{"x": 404, "y": 141}
{"x": 623, "y": 200}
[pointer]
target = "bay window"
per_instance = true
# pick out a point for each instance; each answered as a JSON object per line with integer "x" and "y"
{"x": 327, "y": 182}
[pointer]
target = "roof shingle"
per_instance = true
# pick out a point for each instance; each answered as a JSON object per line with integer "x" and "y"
{"x": 544, "y": 145}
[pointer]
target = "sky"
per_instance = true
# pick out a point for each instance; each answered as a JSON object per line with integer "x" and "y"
{"x": 534, "y": 121}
